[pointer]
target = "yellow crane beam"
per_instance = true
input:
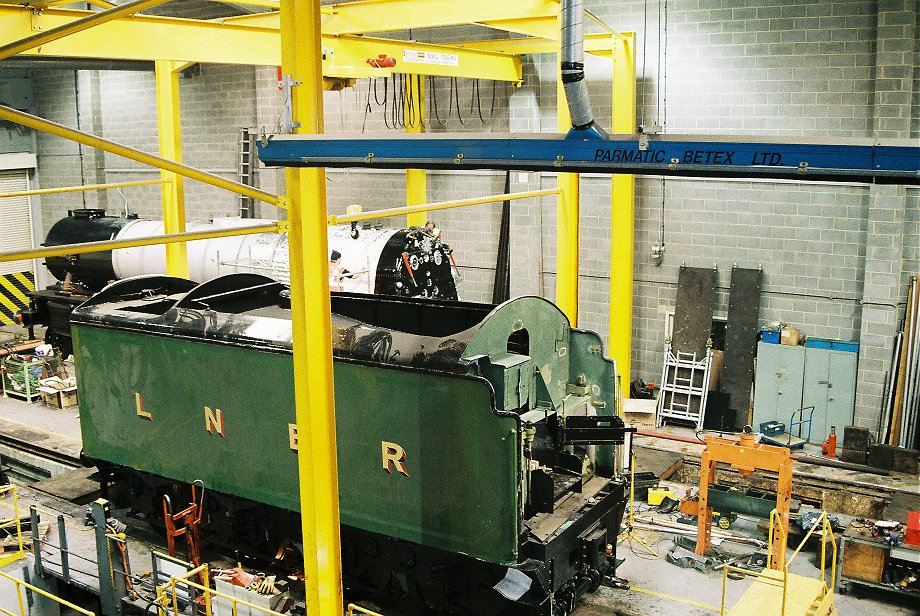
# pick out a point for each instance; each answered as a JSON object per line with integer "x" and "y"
{"x": 189, "y": 40}
{"x": 392, "y": 15}
{"x": 595, "y": 44}
{"x": 78, "y": 25}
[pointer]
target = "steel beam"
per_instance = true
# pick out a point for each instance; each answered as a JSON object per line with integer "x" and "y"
{"x": 622, "y": 213}
{"x": 393, "y": 15}
{"x": 595, "y": 44}
{"x": 310, "y": 314}
{"x": 169, "y": 129}
{"x": 416, "y": 179}
{"x": 188, "y": 40}
{"x": 896, "y": 162}
{"x": 79, "y": 25}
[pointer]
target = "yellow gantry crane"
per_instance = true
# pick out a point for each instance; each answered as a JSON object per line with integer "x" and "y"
{"x": 314, "y": 44}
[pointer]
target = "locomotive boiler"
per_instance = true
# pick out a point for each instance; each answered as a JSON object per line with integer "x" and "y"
{"x": 479, "y": 450}
{"x": 406, "y": 262}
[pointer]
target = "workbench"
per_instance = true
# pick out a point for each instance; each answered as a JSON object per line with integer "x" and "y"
{"x": 863, "y": 560}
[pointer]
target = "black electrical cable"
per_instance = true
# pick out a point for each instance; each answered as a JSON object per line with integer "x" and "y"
{"x": 367, "y": 104}
{"x": 385, "y": 100}
{"x": 455, "y": 86}
{"x": 433, "y": 101}
{"x": 477, "y": 101}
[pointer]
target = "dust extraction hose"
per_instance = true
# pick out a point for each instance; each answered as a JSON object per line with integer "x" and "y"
{"x": 573, "y": 65}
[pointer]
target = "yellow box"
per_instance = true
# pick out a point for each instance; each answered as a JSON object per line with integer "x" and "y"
{"x": 656, "y": 495}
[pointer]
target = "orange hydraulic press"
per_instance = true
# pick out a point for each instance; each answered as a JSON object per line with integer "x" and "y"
{"x": 745, "y": 456}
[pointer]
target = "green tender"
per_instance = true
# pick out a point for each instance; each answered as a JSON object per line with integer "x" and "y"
{"x": 462, "y": 492}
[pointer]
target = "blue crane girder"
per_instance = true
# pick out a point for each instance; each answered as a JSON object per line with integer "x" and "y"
{"x": 676, "y": 155}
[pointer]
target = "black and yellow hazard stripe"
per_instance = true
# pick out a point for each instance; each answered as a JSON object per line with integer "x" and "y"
{"x": 14, "y": 294}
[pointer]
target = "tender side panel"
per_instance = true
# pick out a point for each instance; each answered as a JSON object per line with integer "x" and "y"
{"x": 462, "y": 460}
{"x": 245, "y": 397}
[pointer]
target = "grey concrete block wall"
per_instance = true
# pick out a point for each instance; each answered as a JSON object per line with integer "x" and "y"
{"x": 846, "y": 69}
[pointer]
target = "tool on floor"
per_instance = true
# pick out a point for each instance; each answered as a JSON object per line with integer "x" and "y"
{"x": 829, "y": 447}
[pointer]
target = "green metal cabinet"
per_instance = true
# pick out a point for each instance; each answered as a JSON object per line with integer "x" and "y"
{"x": 791, "y": 377}
{"x": 829, "y": 386}
{"x": 778, "y": 382}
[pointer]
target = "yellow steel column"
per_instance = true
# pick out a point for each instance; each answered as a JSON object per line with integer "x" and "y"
{"x": 170, "y": 134}
{"x": 416, "y": 179}
{"x": 310, "y": 311}
{"x": 567, "y": 221}
{"x": 622, "y": 209}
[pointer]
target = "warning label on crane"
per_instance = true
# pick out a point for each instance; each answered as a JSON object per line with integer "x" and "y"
{"x": 431, "y": 57}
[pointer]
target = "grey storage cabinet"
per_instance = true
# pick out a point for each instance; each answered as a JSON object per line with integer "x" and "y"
{"x": 791, "y": 377}
{"x": 778, "y": 382}
{"x": 830, "y": 385}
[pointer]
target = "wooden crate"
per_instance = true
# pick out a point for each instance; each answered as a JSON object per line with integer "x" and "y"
{"x": 59, "y": 399}
{"x": 863, "y": 562}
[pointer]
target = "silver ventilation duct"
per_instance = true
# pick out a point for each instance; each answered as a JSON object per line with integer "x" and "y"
{"x": 572, "y": 60}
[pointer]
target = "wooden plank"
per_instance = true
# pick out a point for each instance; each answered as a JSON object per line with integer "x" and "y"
{"x": 910, "y": 321}
{"x": 741, "y": 340}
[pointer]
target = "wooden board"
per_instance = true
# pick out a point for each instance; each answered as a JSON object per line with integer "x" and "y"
{"x": 863, "y": 562}
{"x": 741, "y": 340}
{"x": 696, "y": 294}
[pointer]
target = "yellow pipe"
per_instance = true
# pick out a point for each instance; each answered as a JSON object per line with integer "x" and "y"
{"x": 438, "y": 205}
{"x": 416, "y": 179}
{"x": 169, "y": 131}
{"x": 567, "y": 222}
{"x": 37, "y": 40}
{"x": 64, "y": 250}
{"x": 301, "y": 53}
{"x": 622, "y": 212}
{"x": 59, "y": 130}
{"x": 69, "y": 189}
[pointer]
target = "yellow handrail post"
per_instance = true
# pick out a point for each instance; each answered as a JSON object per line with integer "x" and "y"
{"x": 785, "y": 588}
{"x": 622, "y": 210}
{"x": 18, "y": 522}
{"x": 724, "y": 589}
{"x": 301, "y": 53}
{"x": 416, "y": 179}
{"x": 22, "y": 607}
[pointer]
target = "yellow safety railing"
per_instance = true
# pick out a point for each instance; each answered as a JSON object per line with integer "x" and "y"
{"x": 22, "y": 603}
{"x": 171, "y": 600}
{"x": 827, "y": 532}
{"x": 8, "y": 523}
{"x": 357, "y": 609}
